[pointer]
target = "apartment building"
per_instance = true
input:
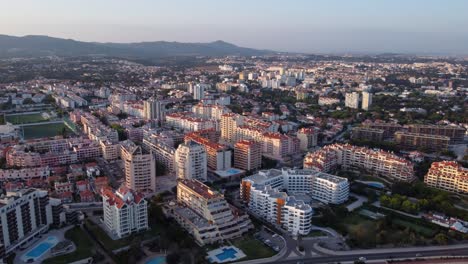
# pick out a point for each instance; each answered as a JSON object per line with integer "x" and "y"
{"x": 367, "y": 133}
{"x": 455, "y": 133}
{"x": 229, "y": 123}
{"x": 449, "y": 176}
{"x": 247, "y": 155}
{"x": 352, "y": 100}
{"x": 125, "y": 211}
{"x": 206, "y": 215}
{"x": 388, "y": 128}
{"x": 307, "y": 138}
{"x": 352, "y": 157}
{"x": 366, "y": 100}
{"x": 218, "y": 155}
{"x": 426, "y": 142}
{"x": 209, "y": 111}
{"x": 25, "y": 214}
{"x": 278, "y": 146}
{"x": 140, "y": 167}
{"x": 163, "y": 153}
{"x": 262, "y": 194}
{"x": 191, "y": 161}
{"x": 188, "y": 123}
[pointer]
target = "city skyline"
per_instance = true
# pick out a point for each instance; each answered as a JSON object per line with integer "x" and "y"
{"x": 364, "y": 26}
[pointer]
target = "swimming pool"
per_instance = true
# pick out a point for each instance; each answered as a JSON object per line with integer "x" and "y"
{"x": 40, "y": 249}
{"x": 228, "y": 253}
{"x": 225, "y": 254}
{"x": 157, "y": 260}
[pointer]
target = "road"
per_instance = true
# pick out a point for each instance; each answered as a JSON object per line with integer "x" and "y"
{"x": 377, "y": 256}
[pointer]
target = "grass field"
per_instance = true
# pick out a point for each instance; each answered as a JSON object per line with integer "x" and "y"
{"x": 84, "y": 248}
{"x": 102, "y": 236}
{"x": 25, "y": 119}
{"x": 425, "y": 231}
{"x": 46, "y": 130}
{"x": 253, "y": 248}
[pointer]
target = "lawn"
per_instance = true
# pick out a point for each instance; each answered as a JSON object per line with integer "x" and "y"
{"x": 253, "y": 248}
{"x": 48, "y": 130}
{"x": 102, "y": 236}
{"x": 84, "y": 248}
{"x": 425, "y": 231}
{"x": 25, "y": 119}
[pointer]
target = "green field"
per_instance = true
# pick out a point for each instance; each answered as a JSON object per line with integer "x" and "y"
{"x": 46, "y": 130}
{"x": 25, "y": 119}
{"x": 102, "y": 236}
{"x": 253, "y": 248}
{"x": 425, "y": 231}
{"x": 84, "y": 248}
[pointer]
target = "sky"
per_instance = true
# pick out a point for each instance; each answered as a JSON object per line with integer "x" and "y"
{"x": 315, "y": 26}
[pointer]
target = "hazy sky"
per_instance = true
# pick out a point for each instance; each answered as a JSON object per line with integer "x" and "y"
{"x": 422, "y": 26}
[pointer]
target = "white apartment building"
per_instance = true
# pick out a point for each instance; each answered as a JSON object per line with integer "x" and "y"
{"x": 199, "y": 91}
{"x": 191, "y": 161}
{"x": 154, "y": 109}
{"x": 125, "y": 212}
{"x": 187, "y": 123}
{"x": 206, "y": 215}
{"x": 449, "y": 176}
{"x": 261, "y": 192}
{"x": 352, "y": 100}
{"x": 140, "y": 167}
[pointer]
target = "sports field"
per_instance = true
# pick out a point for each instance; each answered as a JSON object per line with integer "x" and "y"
{"x": 25, "y": 119}
{"x": 46, "y": 130}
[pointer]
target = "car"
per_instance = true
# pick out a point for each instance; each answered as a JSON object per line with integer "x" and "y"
{"x": 362, "y": 259}
{"x": 418, "y": 255}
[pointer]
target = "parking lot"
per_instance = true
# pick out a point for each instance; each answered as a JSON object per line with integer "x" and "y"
{"x": 270, "y": 239}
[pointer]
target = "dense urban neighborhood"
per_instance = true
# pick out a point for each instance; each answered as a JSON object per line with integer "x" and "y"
{"x": 258, "y": 158}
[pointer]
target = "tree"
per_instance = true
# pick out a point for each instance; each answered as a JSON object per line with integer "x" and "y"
{"x": 441, "y": 239}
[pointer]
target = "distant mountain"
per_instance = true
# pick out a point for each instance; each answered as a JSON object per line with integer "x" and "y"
{"x": 38, "y": 46}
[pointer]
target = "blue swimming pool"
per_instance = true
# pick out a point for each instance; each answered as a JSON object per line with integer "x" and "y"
{"x": 228, "y": 253}
{"x": 376, "y": 184}
{"x": 233, "y": 171}
{"x": 157, "y": 260}
{"x": 40, "y": 249}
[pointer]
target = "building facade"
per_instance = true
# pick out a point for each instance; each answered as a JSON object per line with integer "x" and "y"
{"x": 125, "y": 211}
{"x": 206, "y": 215}
{"x": 140, "y": 167}
{"x": 191, "y": 161}
{"x": 449, "y": 176}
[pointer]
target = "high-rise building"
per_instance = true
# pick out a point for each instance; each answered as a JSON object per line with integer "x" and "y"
{"x": 307, "y": 137}
{"x": 206, "y": 215}
{"x": 199, "y": 91}
{"x": 125, "y": 211}
{"x": 449, "y": 176}
{"x": 191, "y": 161}
{"x": 247, "y": 155}
{"x": 229, "y": 124}
{"x": 366, "y": 100}
{"x": 352, "y": 100}
{"x": 367, "y": 133}
{"x": 154, "y": 109}
{"x": 25, "y": 214}
{"x": 140, "y": 167}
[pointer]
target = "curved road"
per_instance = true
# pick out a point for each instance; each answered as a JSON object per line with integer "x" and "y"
{"x": 377, "y": 256}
